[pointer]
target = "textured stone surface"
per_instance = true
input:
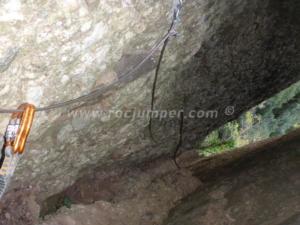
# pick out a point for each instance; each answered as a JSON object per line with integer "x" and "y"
{"x": 119, "y": 195}
{"x": 258, "y": 188}
{"x": 227, "y": 53}
{"x": 142, "y": 196}
{"x": 257, "y": 184}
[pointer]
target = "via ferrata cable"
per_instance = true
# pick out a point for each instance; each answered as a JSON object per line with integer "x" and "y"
{"x": 101, "y": 90}
{"x": 177, "y": 8}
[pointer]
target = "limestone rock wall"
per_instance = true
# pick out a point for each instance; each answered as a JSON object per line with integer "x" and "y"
{"x": 227, "y": 53}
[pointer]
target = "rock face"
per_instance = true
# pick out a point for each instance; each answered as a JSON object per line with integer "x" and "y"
{"x": 261, "y": 187}
{"x": 118, "y": 195}
{"x": 145, "y": 198}
{"x": 254, "y": 185}
{"x": 228, "y": 53}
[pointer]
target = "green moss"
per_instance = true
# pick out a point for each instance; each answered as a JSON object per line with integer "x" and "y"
{"x": 67, "y": 202}
{"x": 214, "y": 143}
{"x": 54, "y": 203}
{"x": 218, "y": 148}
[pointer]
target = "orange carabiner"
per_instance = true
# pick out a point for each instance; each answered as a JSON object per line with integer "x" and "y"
{"x": 15, "y": 138}
{"x": 21, "y": 123}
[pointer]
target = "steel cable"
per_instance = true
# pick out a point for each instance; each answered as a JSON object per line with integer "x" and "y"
{"x": 102, "y": 90}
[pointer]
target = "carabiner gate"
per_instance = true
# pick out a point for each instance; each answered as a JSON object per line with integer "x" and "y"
{"x": 23, "y": 122}
{"x": 15, "y": 138}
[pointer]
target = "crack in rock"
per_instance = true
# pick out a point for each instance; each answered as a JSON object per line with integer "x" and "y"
{"x": 7, "y": 60}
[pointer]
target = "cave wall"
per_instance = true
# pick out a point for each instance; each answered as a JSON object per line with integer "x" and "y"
{"x": 256, "y": 184}
{"x": 227, "y": 53}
